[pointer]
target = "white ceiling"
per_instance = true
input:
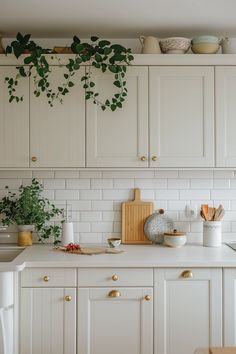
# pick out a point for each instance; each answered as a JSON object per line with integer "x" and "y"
{"x": 117, "y": 18}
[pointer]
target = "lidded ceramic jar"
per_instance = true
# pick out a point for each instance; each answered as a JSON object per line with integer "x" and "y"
{"x": 175, "y": 238}
{"x": 156, "y": 225}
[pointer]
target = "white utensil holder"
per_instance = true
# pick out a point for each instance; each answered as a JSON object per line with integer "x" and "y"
{"x": 212, "y": 233}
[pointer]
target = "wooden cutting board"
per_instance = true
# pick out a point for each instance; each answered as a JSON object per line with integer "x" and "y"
{"x": 134, "y": 215}
{"x": 223, "y": 350}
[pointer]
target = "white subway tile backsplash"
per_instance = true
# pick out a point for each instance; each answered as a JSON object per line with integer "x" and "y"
{"x": 151, "y": 183}
{"x": 90, "y": 194}
{"x": 66, "y": 195}
{"x": 220, "y": 183}
{"x": 123, "y": 183}
{"x": 103, "y": 226}
{"x": 54, "y": 183}
{"x": 166, "y": 194}
{"x": 102, "y": 183}
{"x": 198, "y": 183}
{"x": 91, "y": 216}
{"x": 118, "y": 194}
{"x": 78, "y": 183}
{"x": 95, "y": 197}
{"x": 194, "y": 194}
{"x": 103, "y": 205}
{"x": 179, "y": 183}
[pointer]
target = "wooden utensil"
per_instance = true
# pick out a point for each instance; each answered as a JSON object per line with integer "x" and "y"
{"x": 205, "y": 210}
{"x": 134, "y": 214}
{"x": 211, "y": 213}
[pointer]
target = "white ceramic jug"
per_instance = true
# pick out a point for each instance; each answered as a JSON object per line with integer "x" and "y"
{"x": 150, "y": 45}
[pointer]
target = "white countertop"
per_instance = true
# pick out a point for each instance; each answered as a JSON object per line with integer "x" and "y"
{"x": 191, "y": 255}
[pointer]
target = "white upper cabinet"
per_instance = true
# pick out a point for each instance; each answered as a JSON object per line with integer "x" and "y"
{"x": 225, "y": 116}
{"x": 181, "y": 116}
{"x": 120, "y": 138}
{"x": 58, "y": 132}
{"x": 14, "y": 123}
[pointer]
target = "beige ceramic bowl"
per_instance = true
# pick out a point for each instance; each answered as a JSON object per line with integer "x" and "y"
{"x": 175, "y": 45}
{"x": 205, "y": 48}
{"x": 114, "y": 242}
{"x": 175, "y": 238}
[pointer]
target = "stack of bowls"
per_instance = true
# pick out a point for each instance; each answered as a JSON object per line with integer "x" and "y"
{"x": 205, "y": 45}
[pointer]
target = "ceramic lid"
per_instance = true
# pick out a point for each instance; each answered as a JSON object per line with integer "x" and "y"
{"x": 175, "y": 233}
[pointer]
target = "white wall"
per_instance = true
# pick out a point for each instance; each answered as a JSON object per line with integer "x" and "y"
{"x": 96, "y": 197}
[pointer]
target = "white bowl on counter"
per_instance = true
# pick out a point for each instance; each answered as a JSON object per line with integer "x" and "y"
{"x": 175, "y": 239}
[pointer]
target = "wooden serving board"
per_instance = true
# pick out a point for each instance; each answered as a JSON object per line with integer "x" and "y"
{"x": 134, "y": 215}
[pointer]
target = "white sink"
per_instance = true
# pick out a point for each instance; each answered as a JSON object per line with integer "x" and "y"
{"x": 8, "y": 254}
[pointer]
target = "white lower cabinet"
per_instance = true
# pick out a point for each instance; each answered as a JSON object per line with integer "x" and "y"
{"x": 229, "y": 307}
{"x": 187, "y": 310}
{"x": 115, "y": 321}
{"x": 48, "y": 321}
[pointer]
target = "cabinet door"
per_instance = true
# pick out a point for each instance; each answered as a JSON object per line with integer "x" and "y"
{"x": 187, "y": 310}
{"x": 14, "y": 122}
{"x": 58, "y": 132}
{"x": 225, "y": 116}
{"x": 115, "y": 325}
{"x": 182, "y": 116}
{"x": 47, "y": 321}
{"x": 229, "y": 307}
{"x": 120, "y": 138}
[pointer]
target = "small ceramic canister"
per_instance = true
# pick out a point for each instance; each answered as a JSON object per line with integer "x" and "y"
{"x": 212, "y": 233}
{"x": 175, "y": 238}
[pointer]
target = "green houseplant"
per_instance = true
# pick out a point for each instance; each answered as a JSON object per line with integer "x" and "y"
{"x": 31, "y": 209}
{"x": 98, "y": 54}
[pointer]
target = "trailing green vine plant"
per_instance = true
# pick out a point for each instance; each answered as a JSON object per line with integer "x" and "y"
{"x": 99, "y": 54}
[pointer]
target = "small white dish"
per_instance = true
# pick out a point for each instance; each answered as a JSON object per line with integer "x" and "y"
{"x": 114, "y": 242}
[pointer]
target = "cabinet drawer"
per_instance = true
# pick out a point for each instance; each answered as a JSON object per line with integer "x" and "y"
{"x": 115, "y": 277}
{"x": 48, "y": 277}
{"x": 187, "y": 273}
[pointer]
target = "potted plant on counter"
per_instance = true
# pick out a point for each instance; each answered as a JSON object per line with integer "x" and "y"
{"x": 30, "y": 211}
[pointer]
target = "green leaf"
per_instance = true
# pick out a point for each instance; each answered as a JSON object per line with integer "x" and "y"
{"x": 27, "y": 60}
{"x": 98, "y": 57}
{"x": 76, "y": 39}
{"x": 92, "y": 84}
{"x": 104, "y": 43}
{"x": 113, "y": 107}
{"x": 66, "y": 76}
{"x": 117, "y": 83}
{"x": 22, "y": 71}
{"x": 94, "y": 38}
{"x": 113, "y": 68}
{"x": 70, "y": 84}
{"x": 19, "y": 37}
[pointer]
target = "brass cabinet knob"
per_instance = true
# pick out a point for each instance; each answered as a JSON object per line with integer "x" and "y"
{"x": 143, "y": 158}
{"x": 187, "y": 274}
{"x": 114, "y": 277}
{"x": 147, "y": 298}
{"x": 154, "y": 158}
{"x": 114, "y": 293}
{"x": 68, "y": 298}
{"x": 34, "y": 158}
{"x": 46, "y": 278}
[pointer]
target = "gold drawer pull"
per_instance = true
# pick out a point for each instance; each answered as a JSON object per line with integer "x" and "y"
{"x": 114, "y": 293}
{"x": 46, "y": 278}
{"x": 68, "y": 298}
{"x": 187, "y": 274}
{"x": 143, "y": 158}
{"x": 154, "y": 158}
{"x": 114, "y": 277}
{"x": 34, "y": 158}
{"x": 147, "y": 298}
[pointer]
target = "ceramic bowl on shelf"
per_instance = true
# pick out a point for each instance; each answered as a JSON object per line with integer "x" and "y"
{"x": 175, "y": 45}
{"x": 205, "y": 48}
{"x": 205, "y": 39}
{"x": 175, "y": 238}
